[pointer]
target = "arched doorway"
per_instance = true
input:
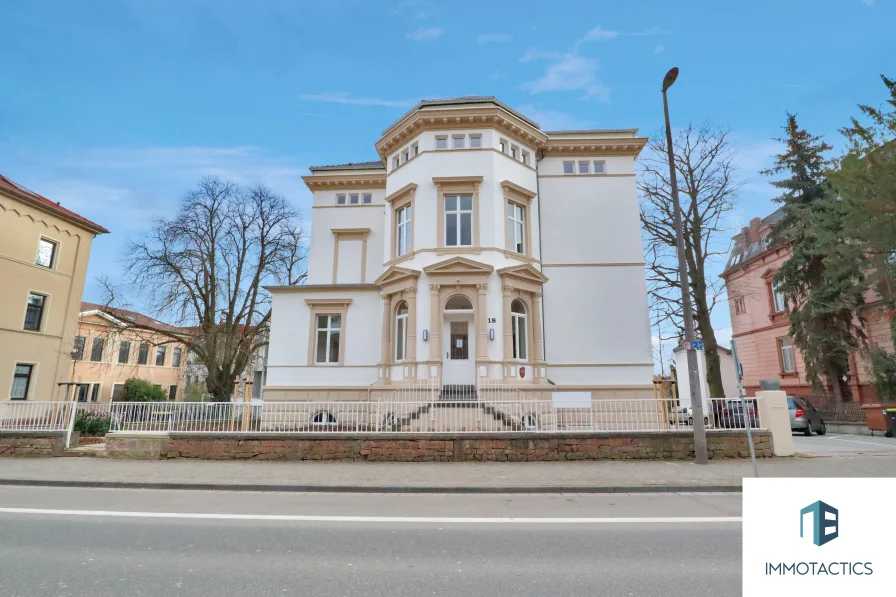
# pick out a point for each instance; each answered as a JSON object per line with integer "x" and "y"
{"x": 459, "y": 342}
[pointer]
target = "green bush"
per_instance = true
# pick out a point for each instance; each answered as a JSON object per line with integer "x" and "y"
{"x": 92, "y": 423}
{"x": 140, "y": 390}
{"x": 883, "y": 373}
{"x": 193, "y": 392}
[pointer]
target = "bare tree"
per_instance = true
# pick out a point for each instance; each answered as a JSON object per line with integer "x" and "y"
{"x": 706, "y": 175}
{"x": 204, "y": 271}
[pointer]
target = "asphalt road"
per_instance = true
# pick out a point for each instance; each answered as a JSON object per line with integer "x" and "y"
{"x": 826, "y": 444}
{"x": 130, "y": 542}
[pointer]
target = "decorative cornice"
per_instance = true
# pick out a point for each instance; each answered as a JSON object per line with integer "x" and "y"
{"x": 336, "y": 182}
{"x": 465, "y": 117}
{"x": 625, "y": 146}
{"x": 457, "y": 181}
{"x": 328, "y": 301}
{"x": 515, "y": 188}
{"x": 350, "y": 231}
{"x": 410, "y": 188}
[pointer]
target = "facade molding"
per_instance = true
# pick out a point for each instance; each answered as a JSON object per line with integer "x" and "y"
{"x": 348, "y": 182}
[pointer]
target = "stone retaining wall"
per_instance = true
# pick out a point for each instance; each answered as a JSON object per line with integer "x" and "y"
{"x": 515, "y": 447}
{"x": 32, "y": 443}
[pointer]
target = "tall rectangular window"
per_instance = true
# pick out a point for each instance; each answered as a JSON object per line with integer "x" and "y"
{"x": 475, "y": 141}
{"x": 124, "y": 352}
{"x": 21, "y": 382}
{"x": 46, "y": 252}
{"x": 95, "y": 392}
{"x": 160, "y": 356}
{"x": 778, "y": 296}
{"x": 96, "y": 350}
{"x": 175, "y": 357}
{"x": 788, "y": 361}
{"x": 78, "y": 348}
{"x": 516, "y": 220}
{"x": 569, "y": 167}
{"x": 368, "y": 198}
{"x": 329, "y": 329}
{"x": 403, "y": 231}
{"x": 457, "y": 141}
{"x": 459, "y": 220}
{"x": 172, "y": 392}
{"x": 34, "y": 312}
{"x": 442, "y": 142}
{"x": 143, "y": 354}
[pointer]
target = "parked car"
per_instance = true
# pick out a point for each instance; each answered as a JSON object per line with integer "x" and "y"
{"x": 804, "y": 417}
{"x": 734, "y": 417}
{"x": 685, "y": 415}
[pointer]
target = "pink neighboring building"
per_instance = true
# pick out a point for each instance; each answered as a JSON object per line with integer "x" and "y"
{"x": 759, "y": 319}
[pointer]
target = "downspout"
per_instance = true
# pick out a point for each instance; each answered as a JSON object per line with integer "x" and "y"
{"x": 544, "y": 335}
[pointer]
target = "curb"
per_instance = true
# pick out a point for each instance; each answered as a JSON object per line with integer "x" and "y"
{"x": 376, "y": 488}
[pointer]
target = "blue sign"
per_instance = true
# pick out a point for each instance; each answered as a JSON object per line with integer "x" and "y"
{"x": 697, "y": 345}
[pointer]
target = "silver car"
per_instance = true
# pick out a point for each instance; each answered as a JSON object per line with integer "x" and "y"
{"x": 803, "y": 417}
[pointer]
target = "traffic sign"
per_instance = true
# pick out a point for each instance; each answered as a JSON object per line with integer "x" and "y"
{"x": 697, "y": 345}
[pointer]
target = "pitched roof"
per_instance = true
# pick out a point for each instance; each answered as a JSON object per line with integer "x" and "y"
{"x": 372, "y": 165}
{"x": 743, "y": 251}
{"x": 41, "y": 202}
{"x": 463, "y": 100}
{"x": 131, "y": 317}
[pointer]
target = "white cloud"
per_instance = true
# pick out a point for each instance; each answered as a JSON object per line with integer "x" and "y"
{"x": 416, "y": 9}
{"x": 426, "y": 33}
{"x": 536, "y": 54}
{"x": 723, "y": 335}
{"x": 569, "y": 72}
{"x": 552, "y": 120}
{"x": 494, "y": 38}
{"x": 660, "y": 48}
{"x": 601, "y": 34}
{"x": 341, "y": 97}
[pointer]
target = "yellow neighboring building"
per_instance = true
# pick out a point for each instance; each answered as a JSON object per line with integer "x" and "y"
{"x": 44, "y": 249}
{"x": 108, "y": 352}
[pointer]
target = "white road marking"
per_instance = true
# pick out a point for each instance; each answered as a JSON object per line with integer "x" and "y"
{"x": 853, "y": 441}
{"x": 405, "y": 519}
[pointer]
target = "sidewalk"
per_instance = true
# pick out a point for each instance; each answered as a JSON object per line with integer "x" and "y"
{"x": 488, "y": 477}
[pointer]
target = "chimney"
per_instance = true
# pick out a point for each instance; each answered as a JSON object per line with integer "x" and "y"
{"x": 745, "y": 235}
{"x": 755, "y": 223}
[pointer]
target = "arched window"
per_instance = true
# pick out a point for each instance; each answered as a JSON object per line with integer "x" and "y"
{"x": 518, "y": 326}
{"x": 458, "y": 302}
{"x": 401, "y": 332}
{"x": 323, "y": 418}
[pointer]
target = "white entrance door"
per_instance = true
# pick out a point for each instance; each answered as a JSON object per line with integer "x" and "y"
{"x": 459, "y": 349}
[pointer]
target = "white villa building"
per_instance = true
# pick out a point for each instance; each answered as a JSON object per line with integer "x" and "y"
{"x": 477, "y": 248}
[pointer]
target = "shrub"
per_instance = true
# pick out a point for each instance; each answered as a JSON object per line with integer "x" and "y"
{"x": 92, "y": 423}
{"x": 883, "y": 373}
{"x": 140, "y": 390}
{"x": 193, "y": 392}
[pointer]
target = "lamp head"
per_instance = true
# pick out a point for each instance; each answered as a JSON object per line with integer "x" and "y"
{"x": 670, "y": 77}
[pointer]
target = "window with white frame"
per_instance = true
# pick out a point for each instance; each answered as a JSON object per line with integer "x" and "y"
{"x": 354, "y": 198}
{"x": 525, "y": 156}
{"x": 46, "y": 252}
{"x": 514, "y": 151}
{"x": 569, "y": 167}
{"x": 329, "y": 331}
{"x": 459, "y": 220}
{"x": 21, "y": 382}
{"x": 600, "y": 167}
{"x": 788, "y": 361}
{"x": 407, "y": 154}
{"x": 403, "y": 231}
{"x": 584, "y": 167}
{"x": 340, "y": 199}
{"x": 518, "y": 326}
{"x": 502, "y": 145}
{"x": 415, "y": 150}
{"x": 368, "y": 198}
{"x": 778, "y": 297}
{"x": 401, "y": 332}
{"x": 516, "y": 221}
{"x": 396, "y": 162}
{"x": 475, "y": 141}
{"x": 457, "y": 142}
{"x": 441, "y": 141}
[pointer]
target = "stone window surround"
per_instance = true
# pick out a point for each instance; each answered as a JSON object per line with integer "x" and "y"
{"x": 391, "y": 303}
{"x": 775, "y": 316}
{"x": 44, "y": 313}
{"x": 399, "y": 199}
{"x": 54, "y": 259}
{"x": 779, "y": 351}
{"x": 456, "y": 185}
{"x": 327, "y": 306}
{"x": 350, "y": 234}
{"x": 514, "y": 193}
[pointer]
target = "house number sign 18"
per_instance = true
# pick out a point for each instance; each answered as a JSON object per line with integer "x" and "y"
{"x": 492, "y": 319}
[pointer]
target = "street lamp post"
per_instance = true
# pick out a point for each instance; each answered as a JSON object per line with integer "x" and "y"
{"x": 693, "y": 368}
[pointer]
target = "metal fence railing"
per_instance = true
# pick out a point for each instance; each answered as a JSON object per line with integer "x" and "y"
{"x": 493, "y": 412}
{"x": 834, "y": 411}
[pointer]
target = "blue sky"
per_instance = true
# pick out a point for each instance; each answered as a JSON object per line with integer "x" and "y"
{"x": 116, "y": 107}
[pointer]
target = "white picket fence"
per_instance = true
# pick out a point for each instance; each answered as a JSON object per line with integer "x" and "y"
{"x": 426, "y": 409}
